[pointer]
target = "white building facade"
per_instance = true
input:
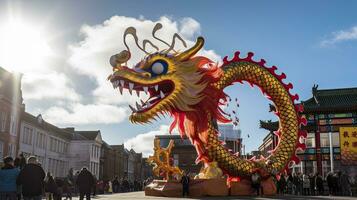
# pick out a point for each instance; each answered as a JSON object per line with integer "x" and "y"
{"x": 85, "y": 151}
{"x": 45, "y": 141}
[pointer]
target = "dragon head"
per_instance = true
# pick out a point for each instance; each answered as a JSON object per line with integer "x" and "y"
{"x": 178, "y": 84}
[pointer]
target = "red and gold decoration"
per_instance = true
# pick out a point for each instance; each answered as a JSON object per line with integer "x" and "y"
{"x": 161, "y": 161}
{"x": 348, "y": 144}
{"x": 190, "y": 89}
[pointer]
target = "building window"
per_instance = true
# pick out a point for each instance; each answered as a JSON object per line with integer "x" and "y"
{"x": 310, "y": 140}
{"x": 324, "y": 140}
{"x": 12, "y": 150}
{"x": 3, "y": 117}
{"x": 27, "y": 135}
{"x": 336, "y": 139}
{"x": 13, "y": 125}
{"x": 40, "y": 140}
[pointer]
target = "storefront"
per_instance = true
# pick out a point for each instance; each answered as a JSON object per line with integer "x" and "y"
{"x": 326, "y": 112}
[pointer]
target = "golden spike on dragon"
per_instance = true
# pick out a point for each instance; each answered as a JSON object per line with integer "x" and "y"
{"x": 190, "y": 89}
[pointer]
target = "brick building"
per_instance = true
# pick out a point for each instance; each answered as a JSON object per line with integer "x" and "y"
{"x": 11, "y": 107}
{"x": 129, "y": 163}
{"x": 326, "y": 112}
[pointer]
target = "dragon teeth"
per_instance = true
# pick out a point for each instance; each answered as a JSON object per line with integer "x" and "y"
{"x": 115, "y": 84}
{"x": 156, "y": 87}
{"x": 131, "y": 86}
{"x": 132, "y": 109}
{"x": 122, "y": 82}
{"x": 145, "y": 89}
{"x": 138, "y": 107}
{"x": 162, "y": 95}
{"x": 120, "y": 89}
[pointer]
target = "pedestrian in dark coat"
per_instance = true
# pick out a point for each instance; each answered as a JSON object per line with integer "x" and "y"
{"x": 85, "y": 183}
{"x": 312, "y": 184}
{"x": 319, "y": 184}
{"x": 31, "y": 178}
{"x": 281, "y": 185}
{"x": 50, "y": 187}
{"x": 345, "y": 184}
{"x": 185, "y": 180}
{"x": 329, "y": 179}
{"x": 116, "y": 185}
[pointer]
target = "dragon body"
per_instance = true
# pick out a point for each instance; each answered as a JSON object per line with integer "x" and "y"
{"x": 190, "y": 89}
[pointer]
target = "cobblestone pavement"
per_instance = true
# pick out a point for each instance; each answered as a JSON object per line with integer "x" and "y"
{"x": 141, "y": 196}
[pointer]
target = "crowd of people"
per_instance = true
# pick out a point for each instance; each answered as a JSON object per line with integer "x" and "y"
{"x": 26, "y": 179}
{"x": 338, "y": 183}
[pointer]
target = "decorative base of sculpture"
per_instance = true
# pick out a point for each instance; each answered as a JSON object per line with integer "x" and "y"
{"x": 208, "y": 187}
{"x": 244, "y": 188}
{"x": 198, "y": 188}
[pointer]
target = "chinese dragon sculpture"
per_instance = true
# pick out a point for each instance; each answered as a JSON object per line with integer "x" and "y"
{"x": 190, "y": 89}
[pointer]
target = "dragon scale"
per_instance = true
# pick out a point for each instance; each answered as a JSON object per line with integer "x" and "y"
{"x": 275, "y": 89}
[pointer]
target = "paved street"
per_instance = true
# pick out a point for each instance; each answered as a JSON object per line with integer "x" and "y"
{"x": 141, "y": 196}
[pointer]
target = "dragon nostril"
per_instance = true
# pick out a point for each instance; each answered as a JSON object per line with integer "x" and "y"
{"x": 147, "y": 74}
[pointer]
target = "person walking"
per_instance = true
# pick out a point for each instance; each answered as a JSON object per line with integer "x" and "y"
{"x": 185, "y": 181}
{"x": 116, "y": 185}
{"x": 8, "y": 176}
{"x": 256, "y": 179}
{"x": 94, "y": 186}
{"x": 281, "y": 185}
{"x": 319, "y": 184}
{"x": 67, "y": 188}
{"x": 50, "y": 186}
{"x": 345, "y": 184}
{"x": 306, "y": 184}
{"x": 312, "y": 184}
{"x": 85, "y": 183}
{"x": 17, "y": 165}
{"x": 329, "y": 180}
{"x": 31, "y": 178}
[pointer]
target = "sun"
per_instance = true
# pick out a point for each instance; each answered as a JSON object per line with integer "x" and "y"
{"x": 23, "y": 47}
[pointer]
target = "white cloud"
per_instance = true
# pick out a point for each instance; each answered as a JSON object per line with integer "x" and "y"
{"x": 51, "y": 85}
{"x": 340, "y": 36}
{"x": 145, "y": 142}
{"x": 91, "y": 55}
{"x": 85, "y": 114}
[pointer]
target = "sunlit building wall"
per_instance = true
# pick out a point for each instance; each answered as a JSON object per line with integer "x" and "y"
{"x": 10, "y": 110}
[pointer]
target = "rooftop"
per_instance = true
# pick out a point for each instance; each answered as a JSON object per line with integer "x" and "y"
{"x": 39, "y": 122}
{"x": 341, "y": 99}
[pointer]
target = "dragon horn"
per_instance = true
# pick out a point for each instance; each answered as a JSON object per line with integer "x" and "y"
{"x": 192, "y": 51}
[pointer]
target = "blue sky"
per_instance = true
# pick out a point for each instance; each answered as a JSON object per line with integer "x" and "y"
{"x": 313, "y": 42}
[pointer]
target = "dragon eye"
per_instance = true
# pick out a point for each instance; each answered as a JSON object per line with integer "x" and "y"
{"x": 158, "y": 67}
